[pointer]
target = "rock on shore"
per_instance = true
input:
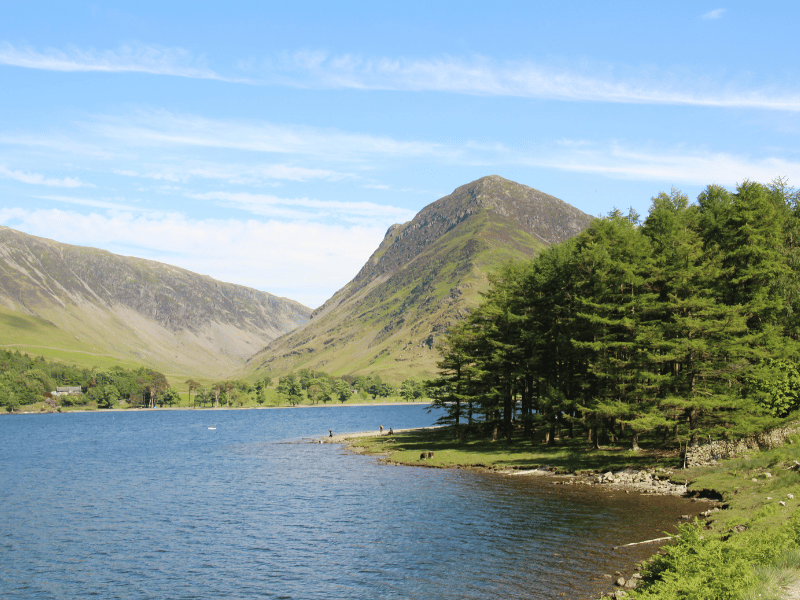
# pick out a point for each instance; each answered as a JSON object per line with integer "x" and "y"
{"x": 647, "y": 481}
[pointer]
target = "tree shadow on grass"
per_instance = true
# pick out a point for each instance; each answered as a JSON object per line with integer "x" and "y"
{"x": 572, "y": 455}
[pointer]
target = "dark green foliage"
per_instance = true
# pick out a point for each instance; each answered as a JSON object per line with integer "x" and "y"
{"x": 684, "y": 325}
{"x": 412, "y": 389}
{"x": 25, "y": 380}
{"x": 775, "y": 383}
{"x": 699, "y": 566}
{"x": 454, "y": 391}
{"x": 290, "y": 389}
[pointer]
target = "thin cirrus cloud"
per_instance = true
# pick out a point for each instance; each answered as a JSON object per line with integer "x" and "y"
{"x": 112, "y": 206}
{"x": 685, "y": 166}
{"x": 307, "y": 208}
{"x": 481, "y": 76}
{"x": 713, "y": 14}
{"x": 151, "y": 128}
{"x": 612, "y": 159}
{"x": 236, "y": 174}
{"x": 130, "y": 58}
{"x": 362, "y": 153}
{"x": 39, "y": 179}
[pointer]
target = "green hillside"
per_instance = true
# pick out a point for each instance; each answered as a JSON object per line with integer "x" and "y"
{"x": 77, "y": 304}
{"x": 37, "y": 337}
{"x": 425, "y": 276}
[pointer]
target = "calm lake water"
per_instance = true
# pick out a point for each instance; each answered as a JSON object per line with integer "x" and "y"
{"x": 156, "y": 505}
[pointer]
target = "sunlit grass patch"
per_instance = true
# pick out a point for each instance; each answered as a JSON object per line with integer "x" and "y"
{"x": 568, "y": 455}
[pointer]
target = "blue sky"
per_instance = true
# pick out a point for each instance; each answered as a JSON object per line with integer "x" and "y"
{"x": 272, "y": 144}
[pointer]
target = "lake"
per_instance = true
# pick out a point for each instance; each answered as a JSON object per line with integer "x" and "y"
{"x": 154, "y": 504}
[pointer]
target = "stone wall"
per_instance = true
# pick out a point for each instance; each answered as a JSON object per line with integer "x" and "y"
{"x": 704, "y": 454}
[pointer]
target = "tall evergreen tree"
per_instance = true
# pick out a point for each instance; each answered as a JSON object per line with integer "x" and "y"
{"x": 614, "y": 263}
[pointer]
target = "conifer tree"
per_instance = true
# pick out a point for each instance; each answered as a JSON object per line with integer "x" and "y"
{"x": 453, "y": 391}
{"x": 613, "y": 262}
{"x": 703, "y": 346}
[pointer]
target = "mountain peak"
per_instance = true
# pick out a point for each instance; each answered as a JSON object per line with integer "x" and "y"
{"x": 425, "y": 275}
{"x": 544, "y": 216}
{"x": 541, "y": 215}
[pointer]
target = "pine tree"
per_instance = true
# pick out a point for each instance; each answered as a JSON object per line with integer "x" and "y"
{"x": 453, "y": 390}
{"x": 705, "y": 348}
{"x": 614, "y": 262}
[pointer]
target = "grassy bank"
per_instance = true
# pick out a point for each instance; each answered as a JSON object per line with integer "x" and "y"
{"x": 568, "y": 456}
{"x": 749, "y": 549}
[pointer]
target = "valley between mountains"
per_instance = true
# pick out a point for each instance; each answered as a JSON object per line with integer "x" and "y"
{"x": 90, "y": 307}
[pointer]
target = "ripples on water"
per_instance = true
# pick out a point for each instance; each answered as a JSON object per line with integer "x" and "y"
{"x": 156, "y": 505}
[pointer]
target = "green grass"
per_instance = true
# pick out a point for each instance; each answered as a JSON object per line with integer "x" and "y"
{"x": 38, "y": 337}
{"x": 569, "y": 455}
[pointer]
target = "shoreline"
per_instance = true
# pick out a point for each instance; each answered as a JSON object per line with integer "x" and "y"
{"x": 654, "y": 481}
{"x": 646, "y": 482}
{"x": 165, "y": 408}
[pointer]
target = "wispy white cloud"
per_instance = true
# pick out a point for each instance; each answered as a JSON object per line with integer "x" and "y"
{"x": 477, "y": 75}
{"x": 115, "y": 206}
{"x": 235, "y": 174}
{"x": 153, "y": 128}
{"x": 152, "y": 136}
{"x": 73, "y": 146}
{"x": 39, "y": 179}
{"x": 305, "y": 261}
{"x": 679, "y": 165}
{"x": 129, "y": 58}
{"x": 482, "y": 76}
{"x": 308, "y": 209}
{"x": 713, "y": 14}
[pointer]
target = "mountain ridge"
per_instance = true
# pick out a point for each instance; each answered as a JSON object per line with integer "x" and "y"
{"x": 426, "y": 274}
{"x": 168, "y": 316}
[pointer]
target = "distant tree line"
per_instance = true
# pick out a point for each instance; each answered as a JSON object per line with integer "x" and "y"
{"x": 27, "y": 380}
{"x": 228, "y": 393}
{"x": 684, "y": 325}
{"x": 319, "y": 386}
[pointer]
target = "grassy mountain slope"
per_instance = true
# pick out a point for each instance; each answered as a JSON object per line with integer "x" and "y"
{"x": 425, "y": 275}
{"x": 90, "y": 306}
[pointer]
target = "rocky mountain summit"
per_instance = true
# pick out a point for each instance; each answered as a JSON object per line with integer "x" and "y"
{"x": 426, "y": 274}
{"x": 140, "y": 310}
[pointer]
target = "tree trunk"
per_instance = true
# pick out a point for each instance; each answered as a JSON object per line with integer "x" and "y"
{"x": 551, "y": 436}
{"x": 508, "y": 413}
{"x": 594, "y": 438}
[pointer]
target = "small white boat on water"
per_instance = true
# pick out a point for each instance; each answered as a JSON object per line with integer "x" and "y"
{"x": 213, "y": 427}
